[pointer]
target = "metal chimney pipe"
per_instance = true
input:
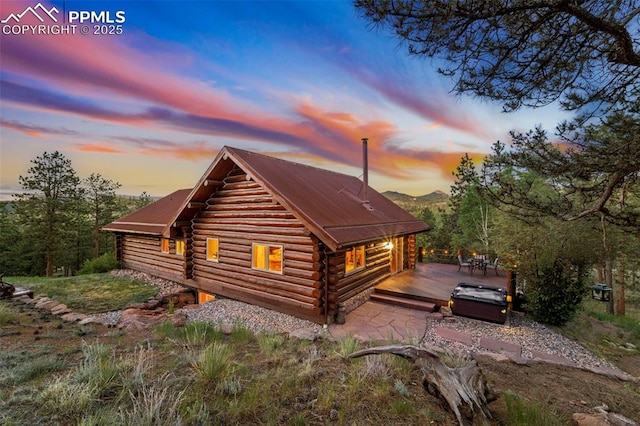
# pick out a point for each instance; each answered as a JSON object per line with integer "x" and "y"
{"x": 365, "y": 171}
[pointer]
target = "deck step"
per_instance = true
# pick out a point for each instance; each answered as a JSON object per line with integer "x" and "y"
{"x": 404, "y": 302}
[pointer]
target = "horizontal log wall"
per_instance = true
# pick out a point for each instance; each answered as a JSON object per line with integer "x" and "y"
{"x": 142, "y": 253}
{"x": 410, "y": 247}
{"x": 343, "y": 286}
{"x": 242, "y": 213}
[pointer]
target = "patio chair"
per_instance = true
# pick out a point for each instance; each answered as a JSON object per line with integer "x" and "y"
{"x": 462, "y": 263}
{"x": 493, "y": 265}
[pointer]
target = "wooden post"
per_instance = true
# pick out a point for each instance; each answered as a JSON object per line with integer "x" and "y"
{"x": 511, "y": 288}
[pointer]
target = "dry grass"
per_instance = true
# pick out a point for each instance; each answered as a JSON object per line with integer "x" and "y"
{"x": 199, "y": 374}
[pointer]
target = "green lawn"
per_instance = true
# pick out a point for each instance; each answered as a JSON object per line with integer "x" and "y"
{"x": 89, "y": 293}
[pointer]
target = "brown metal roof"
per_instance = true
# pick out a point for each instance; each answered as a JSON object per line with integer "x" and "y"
{"x": 330, "y": 204}
{"x": 152, "y": 219}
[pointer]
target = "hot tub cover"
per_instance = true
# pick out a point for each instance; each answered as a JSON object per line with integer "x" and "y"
{"x": 480, "y": 293}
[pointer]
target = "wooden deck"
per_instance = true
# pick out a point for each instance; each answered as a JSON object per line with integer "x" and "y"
{"x": 434, "y": 282}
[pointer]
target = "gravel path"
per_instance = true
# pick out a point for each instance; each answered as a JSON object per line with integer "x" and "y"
{"x": 528, "y": 334}
{"x": 227, "y": 313}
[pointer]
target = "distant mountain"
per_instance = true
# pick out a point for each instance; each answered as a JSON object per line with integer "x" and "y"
{"x": 434, "y": 197}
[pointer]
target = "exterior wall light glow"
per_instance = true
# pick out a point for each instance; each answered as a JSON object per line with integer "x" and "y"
{"x": 388, "y": 245}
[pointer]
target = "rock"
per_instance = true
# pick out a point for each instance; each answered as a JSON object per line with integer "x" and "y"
{"x": 73, "y": 317}
{"x": 434, "y": 316}
{"x": 61, "y": 309}
{"x": 584, "y": 419}
{"x": 87, "y": 320}
{"x": 140, "y": 305}
{"x": 186, "y": 298}
{"x": 304, "y": 334}
{"x": 136, "y": 322}
{"x": 333, "y": 414}
{"x": 178, "y": 320}
{"x": 142, "y": 312}
{"x": 42, "y": 302}
{"x": 602, "y": 418}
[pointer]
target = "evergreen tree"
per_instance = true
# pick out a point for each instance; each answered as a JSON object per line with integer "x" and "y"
{"x": 45, "y": 207}
{"x": 100, "y": 194}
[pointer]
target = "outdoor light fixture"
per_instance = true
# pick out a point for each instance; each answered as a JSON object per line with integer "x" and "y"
{"x": 388, "y": 245}
{"x": 601, "y": 292}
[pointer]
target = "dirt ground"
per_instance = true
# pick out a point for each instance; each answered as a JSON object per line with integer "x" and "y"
{"x": 562, "y": 389}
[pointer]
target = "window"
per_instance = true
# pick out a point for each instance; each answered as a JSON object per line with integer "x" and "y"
{"x": 204, "y": 297}
{"x": 354, "y": 259}
{"x": 180, "y": 247}
{"x": 267, "y": 257}
{"x": 164, "y": 245}
{"x": 212, "y": 249}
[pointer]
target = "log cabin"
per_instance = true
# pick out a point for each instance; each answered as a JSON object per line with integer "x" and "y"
{"x": 286, "y": 236}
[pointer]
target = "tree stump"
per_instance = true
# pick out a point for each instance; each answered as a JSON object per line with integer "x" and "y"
{"x": 455, "y": 379}
{"x": 6, "y": 289}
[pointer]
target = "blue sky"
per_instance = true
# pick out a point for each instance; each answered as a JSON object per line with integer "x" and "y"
{"x": 301, "y": 80}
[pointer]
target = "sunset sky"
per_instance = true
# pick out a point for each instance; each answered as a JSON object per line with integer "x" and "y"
{"x": 300, "y": 80}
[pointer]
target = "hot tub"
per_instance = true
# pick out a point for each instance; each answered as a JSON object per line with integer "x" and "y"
{"x": 480, "y": 302}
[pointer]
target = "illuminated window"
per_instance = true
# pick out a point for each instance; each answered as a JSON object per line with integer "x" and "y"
{"x": 267, "y": 257}
{"x": 180, "y": 247}
{"x": 164, "y": 245}
{"x": 354, "y": 259}
{"x": 205, "y": 297}
{"x": 212, "y": 249}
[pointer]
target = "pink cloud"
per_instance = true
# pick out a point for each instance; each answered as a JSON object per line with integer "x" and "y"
{"x": 99, "y": 148}
{"x": 33, "y": 130}
{"x": 90, "y": 70}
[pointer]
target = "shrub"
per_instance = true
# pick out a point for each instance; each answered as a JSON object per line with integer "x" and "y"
{"x": 66, "y": 398}
{"x": 105, "y": 263}
{"x": 7, "y": 316}
{"x": 155, "y": 403}
{"x": 270, "y": 343}
{"x": 522, "y": 413}
{"x": 198, "y": 334}
{"x": 214, "y": 362}
{"x": 35, "y": 369}
{"x": 347, "y": 346}
{"x": 554, "y": 292}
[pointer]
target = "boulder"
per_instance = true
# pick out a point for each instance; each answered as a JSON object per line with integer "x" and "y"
{"x": 140, "y": 305}
{"x": 73, "y": 317}
{"x": 134, "y": 321}
{"x": 60, "y": 309}
{"x": 584, "y": 419}
{"x": 602, "y": 418}
{"x": 178, "y": 320}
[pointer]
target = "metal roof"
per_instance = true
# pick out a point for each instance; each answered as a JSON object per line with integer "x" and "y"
{"x": 152, "y": 219}
{"x": 330, "y": 204}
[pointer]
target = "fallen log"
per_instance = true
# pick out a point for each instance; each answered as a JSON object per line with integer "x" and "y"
{"x": 455, "y": 379}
